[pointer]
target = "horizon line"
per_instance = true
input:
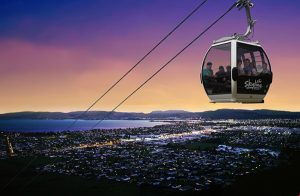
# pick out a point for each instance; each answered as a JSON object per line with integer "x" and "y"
{"x": 171, "y": 110}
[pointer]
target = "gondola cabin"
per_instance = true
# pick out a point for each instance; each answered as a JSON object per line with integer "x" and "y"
{"x": 236, "y": 71}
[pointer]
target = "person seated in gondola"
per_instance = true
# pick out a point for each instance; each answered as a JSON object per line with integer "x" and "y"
{"x": 228, "y": 73}
{"x": 265, "y": 69}
{"x": 208, "y": 73}
{"x": 221, "y": 75}
{"x": 240, "y": 68}
{"x": 254, "y": 70}
{"x": 250, "y": 68}
{"x": 228, "y": 77}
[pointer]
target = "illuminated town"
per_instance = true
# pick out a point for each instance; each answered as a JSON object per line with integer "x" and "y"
{"x": 181, "y": 155}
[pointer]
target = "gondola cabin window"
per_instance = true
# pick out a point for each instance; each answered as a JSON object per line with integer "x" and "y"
{"x": 254, "y": 73}
{"x": 216, "y": 70}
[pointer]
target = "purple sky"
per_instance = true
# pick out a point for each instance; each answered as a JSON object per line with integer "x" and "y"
{"x": 60, "y": 54}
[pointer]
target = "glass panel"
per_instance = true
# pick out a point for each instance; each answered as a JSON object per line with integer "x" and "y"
{"x": 253, "y": 70}
{"x": 216, "y": 70}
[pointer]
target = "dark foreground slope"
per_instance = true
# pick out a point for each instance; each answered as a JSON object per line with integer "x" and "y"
{"x": 283, "y": 180}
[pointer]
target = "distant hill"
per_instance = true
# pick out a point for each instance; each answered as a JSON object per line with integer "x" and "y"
{"x": 162, "y": 115}
{"x": 249, "y": 114}
{"x": 169, "y": 112}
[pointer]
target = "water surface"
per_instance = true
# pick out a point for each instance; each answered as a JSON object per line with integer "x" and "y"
{"x": 62, "y": 125}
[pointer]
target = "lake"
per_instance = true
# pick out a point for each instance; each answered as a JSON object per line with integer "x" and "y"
{"x": 62, "y": 125}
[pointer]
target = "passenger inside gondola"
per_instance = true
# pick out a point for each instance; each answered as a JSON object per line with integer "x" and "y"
{"x": 221, "y": 75}
{"x": 250, "y": 68}
{"x": 240, "y": 68}
{"x": 247, "y": 67}
{"x": 208, "y": 73}
{"x": 265, "y": 69}
{"x": 228, "y": 73}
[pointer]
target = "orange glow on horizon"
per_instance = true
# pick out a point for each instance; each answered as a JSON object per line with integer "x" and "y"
{"x": 58, "y": 87}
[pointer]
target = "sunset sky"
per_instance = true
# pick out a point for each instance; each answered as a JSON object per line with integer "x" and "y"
{"x": 60, "y": 55}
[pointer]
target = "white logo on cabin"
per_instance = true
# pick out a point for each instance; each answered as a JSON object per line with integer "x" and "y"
{"x": 256, "y": 85}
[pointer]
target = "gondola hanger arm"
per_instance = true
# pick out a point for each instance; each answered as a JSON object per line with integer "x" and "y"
{"x": 240, "y": 4}
{"x": 247, "y": 4}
